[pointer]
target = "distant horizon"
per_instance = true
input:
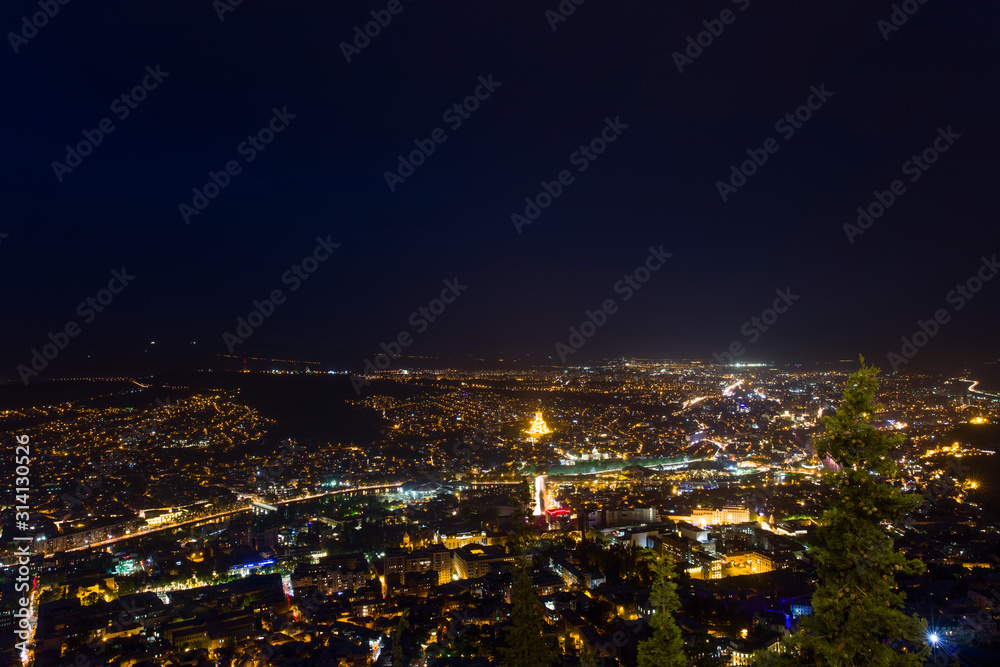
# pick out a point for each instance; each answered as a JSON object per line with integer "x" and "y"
{"x": 286, "y": 364}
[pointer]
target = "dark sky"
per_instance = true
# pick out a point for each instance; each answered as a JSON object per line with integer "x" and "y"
{"x": 323, "y": 175}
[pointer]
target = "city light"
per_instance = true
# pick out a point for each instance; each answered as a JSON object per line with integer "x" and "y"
{"x": 730, "y": 486}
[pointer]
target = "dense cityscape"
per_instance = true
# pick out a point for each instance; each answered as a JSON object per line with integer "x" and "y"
{"x": 391, "y": 333}
{"x": 181, "y": 524}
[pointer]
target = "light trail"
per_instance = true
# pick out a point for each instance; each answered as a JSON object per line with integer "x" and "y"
{"x": 687, "y": 404}
{"x": 210, "y": 517}
{"x": 728, "y": 391}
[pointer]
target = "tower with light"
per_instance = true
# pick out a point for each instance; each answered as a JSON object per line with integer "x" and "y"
{"x": 538, "y": 428}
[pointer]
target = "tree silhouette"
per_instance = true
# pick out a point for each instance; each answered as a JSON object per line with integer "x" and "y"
{"x": 664, "y": 648}
{"x": 857, "y": 609}
{"x": 525, "y": 645}
{"x": 397, "y": 641}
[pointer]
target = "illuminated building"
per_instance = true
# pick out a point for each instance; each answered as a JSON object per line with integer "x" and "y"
{"x": 399, "y": 563}
{"x": 705, "y": 565}
{"x": 538, "y": 428}
{"x": 475, "y": 561}
{"x": 161, "y": 517}
{"x": 742, "y": 651}
{"x": 575, "y": 575}
{"x": 555, "y": 515}
{"x": 629, "y": 517}
{"x": 729, "y": 514}
{"x": 755, "y": 561}
{"x": 456, "y": 540}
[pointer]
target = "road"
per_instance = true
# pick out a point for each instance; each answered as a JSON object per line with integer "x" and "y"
{"x": 219, "y": 515}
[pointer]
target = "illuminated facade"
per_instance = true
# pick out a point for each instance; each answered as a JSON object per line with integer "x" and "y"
{"x": 538, "y": 428}
{"x": 729, "y": 514}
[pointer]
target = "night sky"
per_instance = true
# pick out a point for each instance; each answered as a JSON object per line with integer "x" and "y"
{"x": 550, "y": 92}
